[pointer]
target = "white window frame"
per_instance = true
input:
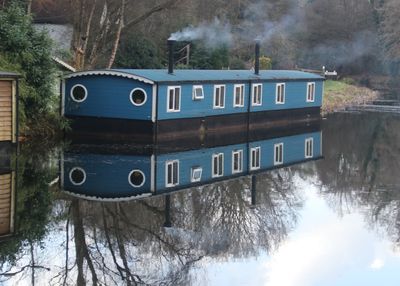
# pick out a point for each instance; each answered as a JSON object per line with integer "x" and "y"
{"x": 241, "y": 95}
{"x": 280, "y": 97}
{"x": 239, "y": 154}
{"x": 172, "y": 184}
{"x": 72, "y": 93}
{"x": 174, "y": 98}
{"x": 84, "y": 176}
{"x": 254, "y": 95}
{"x": 145, "y": 96}
{"x": 221, "y": 96}
{"x": 220, "y": 172}
{"x": 310, "y": 91}
{"x": 278, "y": 161}
{"x": 309, "y": 146}
{"x": 129, "y": 178}
{"x": 193, "y": 171}
{"x": 255, "y": 165}
{"x": 194, "y": 94}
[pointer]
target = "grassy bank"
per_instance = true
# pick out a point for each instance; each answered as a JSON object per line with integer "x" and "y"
{"x": 340, "y": 94}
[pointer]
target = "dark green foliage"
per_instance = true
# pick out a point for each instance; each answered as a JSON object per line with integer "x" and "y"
{"x": 27, "y": 51}
{"x": 137, "y": 52}
{"x": 203, "y": 57}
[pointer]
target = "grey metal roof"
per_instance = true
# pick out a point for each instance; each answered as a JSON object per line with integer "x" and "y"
{"x": 5, "y": 74}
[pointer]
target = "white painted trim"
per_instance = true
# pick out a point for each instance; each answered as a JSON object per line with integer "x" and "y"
{"x": 173, "y": 87}
{"x": 241, "y": 85}
{"x": 278, "y": 162}
{"x": 154, "y": 103}
{"x": 253, "y": 94}
{"x": 215, "y": 94}
{"x": 129, "y": 178}
{"x": 216, "y": 155}
{"x": 84, "y": 176}
{"x": 284, "y": 93}
{"x": 251, "y": 156}
{"x": 72, "y": 96}
{"x": 145, "y": 96}
{"x": 166, "y": 173}
{"x": 311, "y": 140}
{"x": 240, "y": 152}
{"x": 110, "y": 72}
{"x": 62, "y": 97}
{"x": 152, "y": 173}
{"x": 308, "y": 90}
{"x": 194, "y": 97}
{"x": 98, "y": 199}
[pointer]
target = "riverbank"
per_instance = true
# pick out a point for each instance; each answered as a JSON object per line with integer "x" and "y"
{"x": 340, "y": 94}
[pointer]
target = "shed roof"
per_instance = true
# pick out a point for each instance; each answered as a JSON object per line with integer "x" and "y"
{"x": 5, "y": 74}
{"x": 162, "y": 75}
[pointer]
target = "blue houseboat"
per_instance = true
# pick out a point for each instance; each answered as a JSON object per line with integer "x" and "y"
{"x": 101, "y": 175}
{"x": 150, "y": 103}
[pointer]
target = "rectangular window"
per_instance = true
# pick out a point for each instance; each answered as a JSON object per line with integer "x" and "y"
{"x": 309, "y": 144}
{"x": 255, "y": 158}
{"x": 217, "y": 165}
{"x": 238, "y": 98}
{"x": 174, "y": 99}
{"x": 256, "y": 96}
{"x": 278, "y": 154}
{"x": 310, "y": 92}
{"x": 196, "y": 173}
{"x": 219, "y": 96}
{"x": 198, "y": 92}
{"x": 172, "y": 173}
{"x": 237, "y": 161}
{"x": 280, "y": 93}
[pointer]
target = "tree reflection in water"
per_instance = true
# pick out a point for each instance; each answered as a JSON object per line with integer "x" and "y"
{"x": 127, "y": 242}
{"x": 360, "y": 169}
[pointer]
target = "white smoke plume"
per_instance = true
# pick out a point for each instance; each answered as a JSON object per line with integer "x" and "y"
{"x": 213, "y": 34}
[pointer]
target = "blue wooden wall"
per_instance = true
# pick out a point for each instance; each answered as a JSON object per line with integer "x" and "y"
{"x": 108, "y": 96}
{"x": 295, "y": 97}
{"x": 106, "y": 175}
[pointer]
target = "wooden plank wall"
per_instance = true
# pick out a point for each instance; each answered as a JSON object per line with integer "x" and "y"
{"x": 6, "y": 110}
{"x": 6, "y": 204}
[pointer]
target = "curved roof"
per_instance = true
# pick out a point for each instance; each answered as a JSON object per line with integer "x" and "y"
{"x": 162, "y": 75}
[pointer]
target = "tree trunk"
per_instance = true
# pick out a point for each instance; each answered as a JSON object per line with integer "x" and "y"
{"x": 117, "y": 35}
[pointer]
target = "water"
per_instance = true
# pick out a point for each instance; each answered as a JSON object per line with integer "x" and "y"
{"x": 325, "y": 221}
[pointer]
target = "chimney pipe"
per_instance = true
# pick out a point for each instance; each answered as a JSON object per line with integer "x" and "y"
{"x": 171, "y": 56}
{"x": 257, "y": 58}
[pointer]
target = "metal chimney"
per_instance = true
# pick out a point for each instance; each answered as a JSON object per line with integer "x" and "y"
{"x": 257, "y": 58}
{"x": 171, "y": 56}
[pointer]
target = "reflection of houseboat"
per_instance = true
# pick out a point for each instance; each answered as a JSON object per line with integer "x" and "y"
{"x": 129, "y": 175}
{"x": 149, "y": 103}
{"x": 7, "y": 192}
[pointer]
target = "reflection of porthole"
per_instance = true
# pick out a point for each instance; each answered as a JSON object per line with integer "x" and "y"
{"x": 78, "y": 93}
{"x": 77, "y": 176}
{"x": 136, "y": 178}
{"x": 138, "y": 97}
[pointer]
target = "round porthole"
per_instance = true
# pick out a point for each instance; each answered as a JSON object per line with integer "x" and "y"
{"x": 78, "y": 93}
{"x": 138, "y": 97}
{"x": 136, "y": 178}
{"x": 77, "y": 176}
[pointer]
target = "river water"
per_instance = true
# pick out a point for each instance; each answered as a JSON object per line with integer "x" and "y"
{"x": 330, "y": 221}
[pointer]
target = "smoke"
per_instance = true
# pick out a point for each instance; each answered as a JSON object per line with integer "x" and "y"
{"x": 213, "y": 34}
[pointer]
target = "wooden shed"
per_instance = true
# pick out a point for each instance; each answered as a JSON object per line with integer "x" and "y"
{"x": 8, "y": 106}
{"x": 7, "y": 190}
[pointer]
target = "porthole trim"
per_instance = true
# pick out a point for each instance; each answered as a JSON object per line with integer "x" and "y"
{"x": 129, "y": 178}
{"x": 84, "y": 176}
{"x": 145, "y": 96}
{"x": 72, "y": 96}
